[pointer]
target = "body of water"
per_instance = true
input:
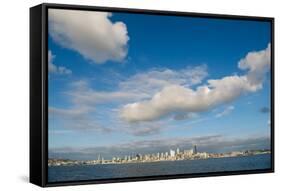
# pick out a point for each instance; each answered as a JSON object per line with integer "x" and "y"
{"x": 105, "y": 171}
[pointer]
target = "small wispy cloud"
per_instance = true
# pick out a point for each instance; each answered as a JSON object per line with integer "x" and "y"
{"x": 80, "y": 118}
{"x": 52, "y": 68}
{"x": 185, "y": 116}
{"x": 225, "y": 112}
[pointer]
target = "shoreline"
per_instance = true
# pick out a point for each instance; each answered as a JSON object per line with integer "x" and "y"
{"x": 84, "y": 163}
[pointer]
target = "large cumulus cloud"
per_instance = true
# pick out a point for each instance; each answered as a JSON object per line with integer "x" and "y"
{"x": 175, "y": 98}
{"x": 92, "y": 34}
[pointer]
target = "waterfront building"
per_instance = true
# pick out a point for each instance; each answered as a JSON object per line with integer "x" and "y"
{"x": 172, "y": 153}
{"x": 138, "y": 156}
{"x": 188, "y": 153}
{"x": 178, "y": 151}
{"x": 158, "y": 156}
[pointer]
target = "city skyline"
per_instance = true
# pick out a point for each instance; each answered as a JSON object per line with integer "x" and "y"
{"x": 149, "y": 82}
{"x": 210, "y": 144}
{"x": 171, "y": 155}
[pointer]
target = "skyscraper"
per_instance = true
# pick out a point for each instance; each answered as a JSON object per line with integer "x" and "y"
{"x": 178, "y": 151}
{"x": 172, "y": 153}
{"x": 194, "y": 150}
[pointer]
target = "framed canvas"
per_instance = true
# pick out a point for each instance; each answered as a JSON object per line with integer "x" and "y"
{"x": 131, "y": 95}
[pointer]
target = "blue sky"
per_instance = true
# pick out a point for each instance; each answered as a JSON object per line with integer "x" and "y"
{"x": 110, "y": 78}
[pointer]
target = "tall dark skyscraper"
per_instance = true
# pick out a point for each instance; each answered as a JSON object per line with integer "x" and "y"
{"x": 194, "y": 149}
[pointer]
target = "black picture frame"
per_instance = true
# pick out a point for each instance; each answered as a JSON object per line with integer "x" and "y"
{"x": 39, "y": 93}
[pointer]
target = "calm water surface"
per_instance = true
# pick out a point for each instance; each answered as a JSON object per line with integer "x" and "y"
{"x": 105, "y": 171}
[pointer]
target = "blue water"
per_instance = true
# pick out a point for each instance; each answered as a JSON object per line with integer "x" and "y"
{"x": 105, "y": 171}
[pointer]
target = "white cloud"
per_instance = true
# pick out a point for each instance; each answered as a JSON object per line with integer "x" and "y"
{"x": 225, "y": 112}
{"x": 92, "y": 34}
{"x": 184, "y": 116}
{"x": 82, "y": 94}
{"x": 149, "y": 82}
{"x": 52, "y": 68}
{"x": 177, "y": 98}
{"x": 257, "y": 62}
{"x": 137, "y": 87}
{"x": 144, "y": 129}
{"x": 84, "y": 99}
{"x": 77, "y": 118}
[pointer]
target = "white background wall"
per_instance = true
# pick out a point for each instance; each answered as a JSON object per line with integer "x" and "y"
{"x": 14, "y": 95}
